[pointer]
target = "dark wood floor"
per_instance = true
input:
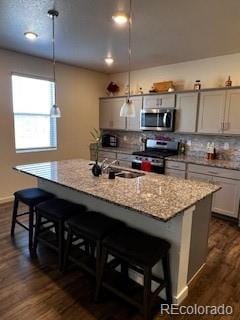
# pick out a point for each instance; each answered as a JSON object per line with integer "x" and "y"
{"x": 38, "y": 291}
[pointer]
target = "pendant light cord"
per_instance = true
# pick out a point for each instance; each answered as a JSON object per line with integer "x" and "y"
{"x": 129, "y": 47}
{"x": 53, "y": 58}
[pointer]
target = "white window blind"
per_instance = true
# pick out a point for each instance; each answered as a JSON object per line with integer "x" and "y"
{"x": 32, "y": 101}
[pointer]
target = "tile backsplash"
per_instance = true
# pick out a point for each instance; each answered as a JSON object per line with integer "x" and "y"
{"x": 227, "y": 147}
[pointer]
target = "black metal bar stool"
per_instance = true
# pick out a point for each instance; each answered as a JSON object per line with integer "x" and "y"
{"x": 30, "y": 197}
{"x": 53, "y": 214}
{"x": 140, "y": 252}
{"x": 90, "y": 228}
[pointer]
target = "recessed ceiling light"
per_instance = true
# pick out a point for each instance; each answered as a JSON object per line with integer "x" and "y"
{"x": 31, "y": 35}
{"x": 120, "y": 18}
{"x": 109, "y": 61}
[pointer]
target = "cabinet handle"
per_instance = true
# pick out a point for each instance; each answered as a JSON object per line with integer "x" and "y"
{"x": 161, "y": 101}
{"x": 212, "y": 172}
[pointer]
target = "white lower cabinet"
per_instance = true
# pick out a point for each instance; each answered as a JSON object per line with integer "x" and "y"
{"x": 225, "y": 201}
{"x": 175, "y": 169}
{"x": 125, "y": 159}
{"x": 199, "y": 177}
{"x": 175, "y": 173}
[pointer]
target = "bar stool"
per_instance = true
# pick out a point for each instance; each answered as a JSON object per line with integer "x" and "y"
{"x": 30, "y": 197}
{"x": 90, "y": 227}
{"x": 140, "y": 252}
{"x": 52, "y": 214}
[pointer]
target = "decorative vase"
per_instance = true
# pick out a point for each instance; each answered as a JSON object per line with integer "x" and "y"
{"x": 96, "y": 170}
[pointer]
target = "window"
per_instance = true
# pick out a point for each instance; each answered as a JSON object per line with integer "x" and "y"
{"x": 32, "y": 101}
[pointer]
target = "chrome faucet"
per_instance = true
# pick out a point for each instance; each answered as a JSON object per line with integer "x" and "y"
{"x": 108, "y": 165}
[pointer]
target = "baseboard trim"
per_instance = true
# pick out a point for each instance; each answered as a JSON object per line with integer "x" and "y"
{"x": 181, "y": 296}
{"x": 197, "y": 273}
{"x": 6, "y": 199}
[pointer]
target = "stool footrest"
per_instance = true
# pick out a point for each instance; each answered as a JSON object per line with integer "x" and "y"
{"x": 48, "y": 238}
{"x": 83, "y": 260}
{"x": 22, "y": 225}
{"x": 23, "y": 214}
{"x": 127, "y": 288}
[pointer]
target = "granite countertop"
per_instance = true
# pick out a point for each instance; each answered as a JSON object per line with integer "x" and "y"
{"x": 226, "y": 164}
{"x": 158, "y": 196}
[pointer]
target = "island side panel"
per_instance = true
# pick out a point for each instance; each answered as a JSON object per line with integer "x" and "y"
{"x": 177, "y": 231}
{"x": 199, "y": 236}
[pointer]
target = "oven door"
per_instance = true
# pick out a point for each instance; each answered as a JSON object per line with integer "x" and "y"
{"x": 157, "y": 119}
{"x": 136, "y": 164}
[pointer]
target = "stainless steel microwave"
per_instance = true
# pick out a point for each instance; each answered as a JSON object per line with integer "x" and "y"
{"x": 159, "y": 119}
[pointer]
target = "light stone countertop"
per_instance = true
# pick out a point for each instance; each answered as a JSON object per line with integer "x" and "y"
{"x": 158, "y": 196}
{"x": 225, "y": 164}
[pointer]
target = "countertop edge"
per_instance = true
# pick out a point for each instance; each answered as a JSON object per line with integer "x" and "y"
{"x": 118, "y": 204}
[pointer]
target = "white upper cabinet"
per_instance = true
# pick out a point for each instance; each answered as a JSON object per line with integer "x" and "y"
{"x": 211, "y": 111}
{"x": 134, "y": 123}
{"x": 232, "y": 112}
{"x": 109, "y": 114}
{"x": 186, "y": 112}
{"x": 159, "y": 101}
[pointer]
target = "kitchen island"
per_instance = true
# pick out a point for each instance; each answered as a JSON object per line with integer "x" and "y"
{"x": 171, "y": 208}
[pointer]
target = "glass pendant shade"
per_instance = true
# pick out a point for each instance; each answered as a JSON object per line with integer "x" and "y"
{"x": 127, "y": 109}
{"x": 55, "y": 112}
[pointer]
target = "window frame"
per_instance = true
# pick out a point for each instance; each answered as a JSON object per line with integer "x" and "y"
{"x": 53, "y": 121}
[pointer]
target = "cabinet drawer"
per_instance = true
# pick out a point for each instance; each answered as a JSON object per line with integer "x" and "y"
{"x": 126, "y": 164}
{"x": 125, "y": 156}
{"x": 175, "y": 173}
{"x": 175, "y": 165}
{"x": 107, "y": 154}
{"x": 213, "y": 171}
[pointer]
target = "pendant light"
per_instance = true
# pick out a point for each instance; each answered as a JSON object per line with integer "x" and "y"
{"x": 127, "y": 109}
{"x": 55, "y": 111}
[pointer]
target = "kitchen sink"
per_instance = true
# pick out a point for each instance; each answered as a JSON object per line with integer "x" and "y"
{"x": 129, "y": 175}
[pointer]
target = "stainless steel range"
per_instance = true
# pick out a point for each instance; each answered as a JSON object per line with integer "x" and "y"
{"x": 153, "y": 158}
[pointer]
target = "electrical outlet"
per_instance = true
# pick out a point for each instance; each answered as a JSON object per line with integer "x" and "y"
{"x": 226, "y": 146}
{"x": 124, "y": 138}
{"x": 189, "y": 143}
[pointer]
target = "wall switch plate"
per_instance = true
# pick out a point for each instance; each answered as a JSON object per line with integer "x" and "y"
{"x": 226, "y": 146}
{"x": 124, "y": 138}
{"x": 189, "y": 143}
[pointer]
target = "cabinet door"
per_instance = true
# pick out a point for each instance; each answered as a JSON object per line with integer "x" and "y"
{"x": 226, "y": 200}
{"x": 159, "y": 101}
{"x": 199, "y": 177}
{"x": 134, "y": 123}
{"x": 186, "y": 112}
{"x": 211, "y": 111}
{"x": 109, "y": 114}
{"x": 105, "y": 114}
{"x": 175, "y": 173}
{"x": 232, "y": 112}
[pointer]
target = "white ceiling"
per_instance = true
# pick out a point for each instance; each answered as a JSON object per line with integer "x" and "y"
{"x": 164, "y": 32}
